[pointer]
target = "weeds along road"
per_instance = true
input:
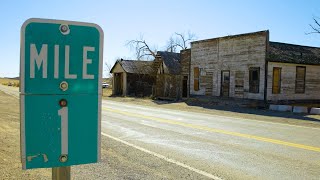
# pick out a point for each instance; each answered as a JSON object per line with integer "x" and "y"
{"x": 144, "y": 142}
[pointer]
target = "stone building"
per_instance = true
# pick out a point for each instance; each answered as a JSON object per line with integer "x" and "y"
{"x": 249, "y": 66}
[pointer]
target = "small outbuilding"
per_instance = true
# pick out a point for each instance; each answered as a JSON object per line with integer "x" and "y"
{"x": 168, "y": 77}
{"x": 133, "y": 78}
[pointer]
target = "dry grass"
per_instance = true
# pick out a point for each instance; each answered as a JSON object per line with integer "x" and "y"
{"x": 107, "y": 80}
{"x": 106, "y": 92}
{"x": 11, "y": 82}
{"x": 10, "y": 164}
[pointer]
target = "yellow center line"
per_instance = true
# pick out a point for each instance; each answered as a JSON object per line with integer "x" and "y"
{"x": 194, "y": 126}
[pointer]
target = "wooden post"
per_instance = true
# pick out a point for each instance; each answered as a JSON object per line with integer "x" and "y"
{"x": 61, "y": 173}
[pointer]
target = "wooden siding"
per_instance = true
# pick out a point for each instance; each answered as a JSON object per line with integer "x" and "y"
{"x": 288, "y": 81}
{"x": 185, "y": 58}
{"x": 140, "y": 84}
{"x": 276, "y": 80}
{"x": 119, "y": 85}
{"x": 235, "y": 54}
{"x": 196, "y": 78}
{"x": 239, "y": 84}
{"x": 117, "y": 68}
{"x": 168, "y": 86}
{"x": 300, "y": 79}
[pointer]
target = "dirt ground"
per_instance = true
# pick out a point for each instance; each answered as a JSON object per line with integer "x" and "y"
{"x": 106, "y": 92}
{"x": 10, "y": 164}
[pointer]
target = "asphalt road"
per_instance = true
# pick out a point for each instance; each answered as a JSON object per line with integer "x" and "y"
{"x": 140, "y": 142}
{"x": 230, "y": 148}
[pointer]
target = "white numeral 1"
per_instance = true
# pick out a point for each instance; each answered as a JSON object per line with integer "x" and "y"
{"x": 63, "y": 112}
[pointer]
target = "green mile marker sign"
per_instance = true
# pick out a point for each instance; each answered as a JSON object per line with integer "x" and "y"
{"x": 60, "y": 93}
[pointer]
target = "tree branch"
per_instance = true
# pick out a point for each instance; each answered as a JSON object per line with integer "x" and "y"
{"x": 316, "y": 27}
{"x": 181, "y": 41}
{"x": 141, "y": 48}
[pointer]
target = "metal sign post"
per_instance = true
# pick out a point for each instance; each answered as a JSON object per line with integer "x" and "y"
{"x": 60, "y": 94}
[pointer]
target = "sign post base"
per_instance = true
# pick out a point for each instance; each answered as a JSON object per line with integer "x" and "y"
{"x": 61, "y": 173}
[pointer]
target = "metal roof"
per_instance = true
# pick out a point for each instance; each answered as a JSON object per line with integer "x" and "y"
{"x": 290, "y": 53}
{"x": 171, "y": 60}
{"x": 135, "y": 66}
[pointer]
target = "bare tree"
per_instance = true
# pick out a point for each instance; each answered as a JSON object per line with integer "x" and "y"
{"x": 315, "y": 26}
{"x": 171, "y": 45}
{"x": 108, "y": 67}
{"x": 142, "y": 49}
{"x": 177, "y": 42}
{"x": 180, "y": 41}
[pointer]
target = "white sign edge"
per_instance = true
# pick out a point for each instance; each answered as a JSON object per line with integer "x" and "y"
{"x": 100, "y": 88}
{"x": 22, "y": 79}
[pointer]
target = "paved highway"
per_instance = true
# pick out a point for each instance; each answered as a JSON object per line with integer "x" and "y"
{"x": 141, "y": 142}
{"x": 230, "y": 148}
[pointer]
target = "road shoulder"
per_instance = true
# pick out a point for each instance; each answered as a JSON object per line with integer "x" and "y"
{"x": 10, "y": 164}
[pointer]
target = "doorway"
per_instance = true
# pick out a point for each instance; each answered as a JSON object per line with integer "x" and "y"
{"x": 185, "y": 86}
{"x": 225, "y": 83}
{"x": 118, "y": 84}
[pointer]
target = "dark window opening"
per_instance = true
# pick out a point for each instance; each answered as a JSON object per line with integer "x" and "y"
{"x": 255, "y": 75}
{"x": 185, "y": 86}
{"x": 196, "y": 85}
{"x": 254, "y": 79}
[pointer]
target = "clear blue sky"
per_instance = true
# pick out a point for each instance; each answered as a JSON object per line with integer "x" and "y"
{"x": 123, "y": 20}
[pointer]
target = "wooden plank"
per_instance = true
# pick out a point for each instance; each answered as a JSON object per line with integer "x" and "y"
{"x": 276, "y": 84}
{"x": 196, "y": 72}
{"x": 61, "y": 173}
{"x": 196, "y": 85}
{"x": 300, "y": 79}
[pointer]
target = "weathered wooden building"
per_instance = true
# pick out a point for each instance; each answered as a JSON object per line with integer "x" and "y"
{"x": 231, "y": 66}
{"x": 132, "y": 77}
{"x": 168, "y": 78}
{"x": 249, "y": 66}
{"x": 185, "y": 58}
{"x": 293, "y": 73}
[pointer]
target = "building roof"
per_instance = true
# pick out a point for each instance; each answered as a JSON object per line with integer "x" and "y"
{"x": 171, "y": 60}
{"x": 264, "y": 32}
{"x": 135, "y": 66}
{"x": 290, "y": 53}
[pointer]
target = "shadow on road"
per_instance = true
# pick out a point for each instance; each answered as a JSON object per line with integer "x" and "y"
{"x": 238, "y": 106}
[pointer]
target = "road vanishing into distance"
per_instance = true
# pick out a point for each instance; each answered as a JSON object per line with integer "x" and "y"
{"x": 143, "y": 142}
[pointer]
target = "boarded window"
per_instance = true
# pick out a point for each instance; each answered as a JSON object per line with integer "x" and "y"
{"x": 254, "y": 79}
{"x": 202, "y": 72}
{"x": 300, "y": 79}
{"x": 276, "y": 81}
{"x": 239, "y": 84}
{"x": 196, "y": 78}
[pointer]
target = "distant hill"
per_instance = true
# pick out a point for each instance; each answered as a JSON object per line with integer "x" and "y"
{"x": 15, "y": 78}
